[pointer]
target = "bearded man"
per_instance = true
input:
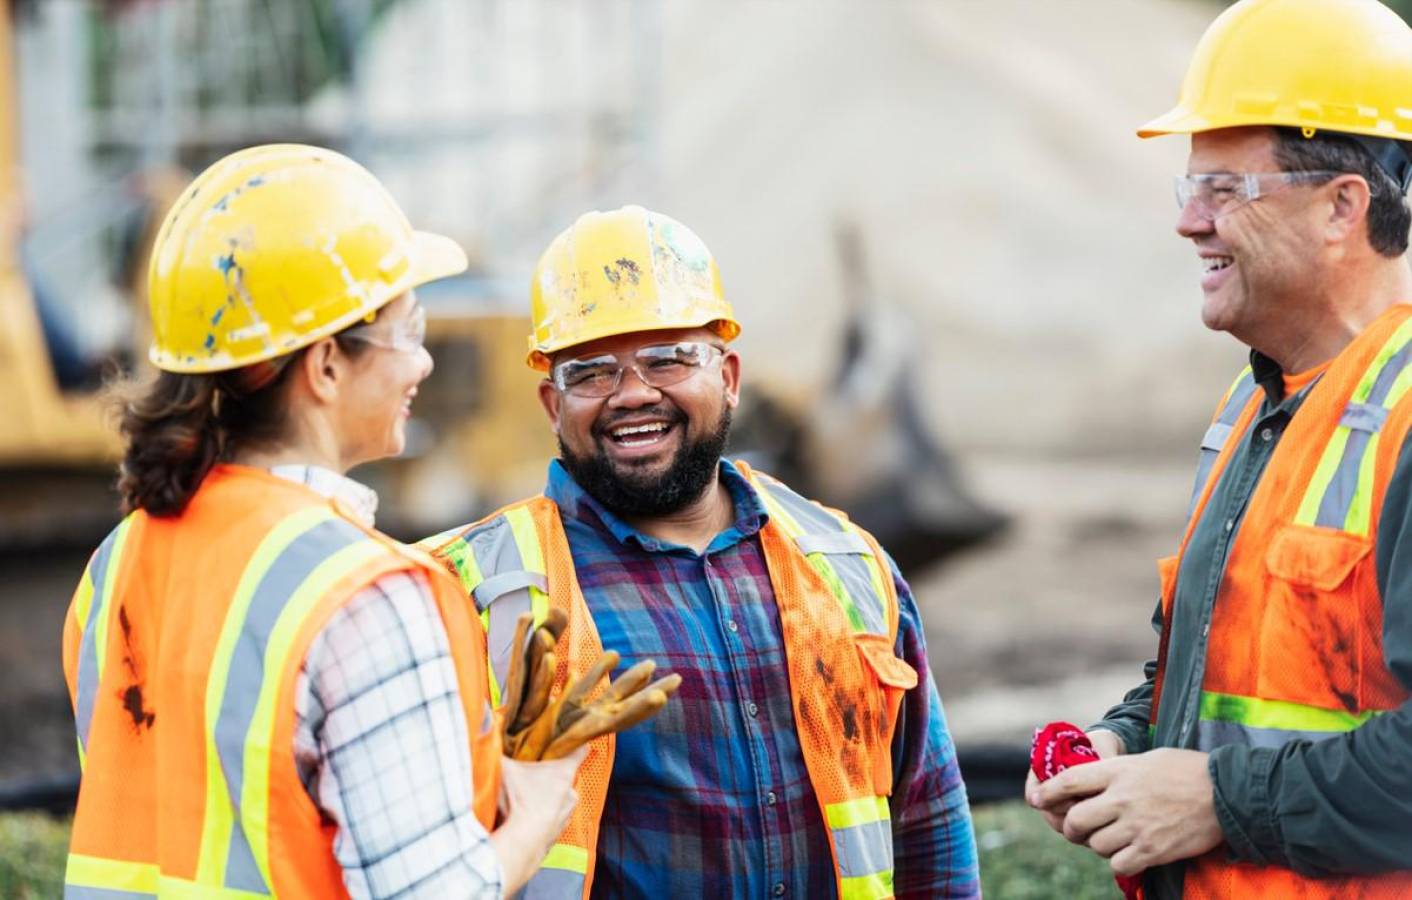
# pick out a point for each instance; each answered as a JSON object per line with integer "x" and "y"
{"x": 806, "y": 753}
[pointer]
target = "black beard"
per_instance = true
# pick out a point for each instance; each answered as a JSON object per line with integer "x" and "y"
{"x": 630, "y": 495}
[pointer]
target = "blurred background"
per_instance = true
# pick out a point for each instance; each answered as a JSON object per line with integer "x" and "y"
{"x": 967, "y": 319}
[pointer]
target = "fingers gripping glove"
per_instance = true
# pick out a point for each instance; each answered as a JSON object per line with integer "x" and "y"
{"x": 1058, "y": 746}
{"x": 538, "y": 727}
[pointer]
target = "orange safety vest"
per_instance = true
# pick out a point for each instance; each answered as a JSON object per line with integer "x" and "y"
{"x": 1295, "y": 645}
{"x": 838, "y": 610}
{"x": 181, "y": 650}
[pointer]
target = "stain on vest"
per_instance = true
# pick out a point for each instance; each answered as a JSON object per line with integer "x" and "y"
{"x": 132, "y": 694}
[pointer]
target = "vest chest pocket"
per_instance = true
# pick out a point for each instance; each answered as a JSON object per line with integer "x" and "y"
{"x": 1310, "y": 641}
{"x": 889, "y": 678}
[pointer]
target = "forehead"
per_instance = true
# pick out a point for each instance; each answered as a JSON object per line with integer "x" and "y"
{"x": 1232, "y": 150}
{"x": 625, "y": 343}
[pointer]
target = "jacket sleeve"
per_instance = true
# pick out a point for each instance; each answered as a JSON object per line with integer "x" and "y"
{"x": 1342, "y": 804}
{"x": 1129, "y": 720}
{"x": 934, "y": 846}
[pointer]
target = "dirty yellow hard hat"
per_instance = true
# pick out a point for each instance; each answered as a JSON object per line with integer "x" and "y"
{"x": 1335, "y": 65}
{"x": 619, "y": 272}
{"x": 274, "y": 247}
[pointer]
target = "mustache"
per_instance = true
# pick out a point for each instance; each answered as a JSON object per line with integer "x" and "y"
{"x": 611, "y": 419}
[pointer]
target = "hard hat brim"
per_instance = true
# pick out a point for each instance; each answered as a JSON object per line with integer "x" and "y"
{"x": 1176, "y": 121}
{"x": 435, "y": 256}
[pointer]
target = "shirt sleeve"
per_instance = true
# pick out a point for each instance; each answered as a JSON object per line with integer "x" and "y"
{"x": 1131, "y": 718}
{"x": 1342, "y": 804}
{"x": 934, "y": 845}
{"x": 382, "y": 747}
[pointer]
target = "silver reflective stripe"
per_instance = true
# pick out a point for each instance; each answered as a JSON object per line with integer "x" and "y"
{"x": 834, "y": 542}
{"x": 75, "y": 892}
{"x": 86, "y": 690}
{"x": 498, "y": 554}
{"x": 1218, "y": 433}
{"x": 844, "y": 549}
{"x": 864, "y": 849}
{"x": 247, "y": 674}
{"x": 1363, "y": 417}
{"x": 1215, "y": 437}
{"x": 1212, "y": 733}
{"x": 1343, "y": 486}
{"x": 502, "y": 583}
{"x": 553, "y": 884}
{"x": 1365, "y": 420}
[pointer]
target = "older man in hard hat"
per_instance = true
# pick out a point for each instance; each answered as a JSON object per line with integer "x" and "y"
{"x": 1269, "y": 752}
{"x": 806, "y": 754}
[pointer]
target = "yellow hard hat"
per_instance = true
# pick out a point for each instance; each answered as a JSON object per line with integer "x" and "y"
{"x": 619, "y": 272}
{"x": 1336, "y": 65}
{"x": 274, "y": 247}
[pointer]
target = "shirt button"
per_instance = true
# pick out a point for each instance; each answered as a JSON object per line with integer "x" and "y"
{"x": 751, "y": 708}
{"x": 779, "y": 889}
{"x": 1267, "y": 434}
{"x": 1230, "y": 524}
{"x": 732, "y": 626}
{"x": 771, "y": 799}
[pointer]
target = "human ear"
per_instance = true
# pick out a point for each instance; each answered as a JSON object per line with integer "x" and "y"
{"x": 550, "y": 399}
{"x": 325, "y": 369}
{"x": 1348, "y": 208}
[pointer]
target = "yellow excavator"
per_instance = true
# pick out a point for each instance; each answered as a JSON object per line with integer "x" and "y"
{"x": 478, "y": 439}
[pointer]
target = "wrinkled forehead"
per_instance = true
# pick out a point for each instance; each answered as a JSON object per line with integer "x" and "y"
{"x": 626, "y": 343}
{"x": 1246, "y": 149}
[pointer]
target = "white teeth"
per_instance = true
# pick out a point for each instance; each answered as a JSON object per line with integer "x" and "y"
{"x": 639, "y": 429}
{"x": 1215, "y": 263}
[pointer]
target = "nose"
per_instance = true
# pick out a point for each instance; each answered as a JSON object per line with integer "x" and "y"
{"x": 1190, "y": 224}
{"x": 427, "y": 363}
{"x": 633, "y": 392}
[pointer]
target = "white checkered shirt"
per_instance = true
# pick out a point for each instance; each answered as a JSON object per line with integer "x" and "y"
{"x": 381, "y": 742}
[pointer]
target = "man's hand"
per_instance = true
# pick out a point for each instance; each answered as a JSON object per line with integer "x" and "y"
{"x": 1137, "y": 811}
{"x": 1106, "y": 743}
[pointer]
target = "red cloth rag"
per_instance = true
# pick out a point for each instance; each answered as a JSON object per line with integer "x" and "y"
{"x": 1056, "y": 747}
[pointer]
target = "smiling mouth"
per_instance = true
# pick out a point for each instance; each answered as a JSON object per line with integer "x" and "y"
{"x": 639, "y": 435}
{"x": 1211, "y": 264}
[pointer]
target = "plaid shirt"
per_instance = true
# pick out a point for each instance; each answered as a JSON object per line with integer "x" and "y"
{"x": 381, "y": 743}
{"x": 711, "y": 798}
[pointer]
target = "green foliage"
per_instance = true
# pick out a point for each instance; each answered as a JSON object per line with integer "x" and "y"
{"x": 1021, "y": 859}
{"x": 33, "y": 848}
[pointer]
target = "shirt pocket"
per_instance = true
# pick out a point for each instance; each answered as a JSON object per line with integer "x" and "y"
{"x": 888, "y": 678}
{"x": 1310, "y": 640}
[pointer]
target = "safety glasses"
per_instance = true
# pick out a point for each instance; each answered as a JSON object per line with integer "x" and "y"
{"x": 1211, "y": 196}
{"x": 658, "y": 366}
{"x": 406, "y": 334}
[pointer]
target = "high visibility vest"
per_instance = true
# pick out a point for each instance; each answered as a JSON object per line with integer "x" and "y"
{"x": 181, "y": 650}
{"x": 1295, "y": 646}
{"x": 838, "y": 610}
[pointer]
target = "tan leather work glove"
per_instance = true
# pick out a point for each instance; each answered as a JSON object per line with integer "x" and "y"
{"x": 537, "y": 727}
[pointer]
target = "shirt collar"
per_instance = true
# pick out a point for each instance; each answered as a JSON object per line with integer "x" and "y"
{"x": 360, "y": 499}
{"x": 575, "y": 503}
{"x": 1275, "y": 383}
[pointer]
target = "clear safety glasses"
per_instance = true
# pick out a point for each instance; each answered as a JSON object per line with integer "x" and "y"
{"x": 405, "y": 334}
{"x": 658, "y": 366}
{"x": 1222, "y": 193}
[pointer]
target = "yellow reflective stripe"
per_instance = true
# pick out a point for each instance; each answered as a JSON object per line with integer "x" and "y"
{"x": 111, "y": 874}
{"x": 874, "y": 886}
{"x": 219, "y": 815}
{"x": 1360, "y": 513}
{"x": 1319, "y": 484}
{"x": 83, "y": 599}
{"x": 817, "y": 561}
{"x": 255, "y": 793}
{"x": 468, "y": 568}
{"x": 568, "y": 857}
{"x": 115, "y": 561}
{"x": 531, "y": 555}
{"x": 876, "y": 574}
{"x": 1230, "y": 391}
{"x": 82, "y": 757}
{"x": 856, "y": 812}
{"x": 142, "y": 878}
{"x": 1280, "y": 715}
